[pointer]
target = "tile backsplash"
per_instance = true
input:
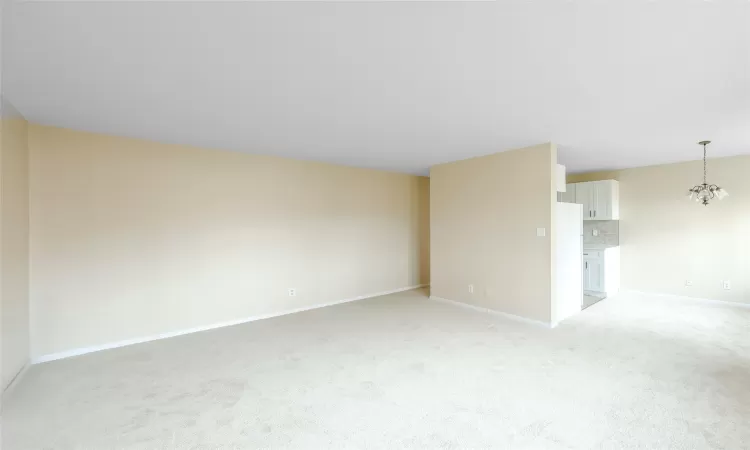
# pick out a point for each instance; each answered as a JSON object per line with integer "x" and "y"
{"x": 609, "y": 232}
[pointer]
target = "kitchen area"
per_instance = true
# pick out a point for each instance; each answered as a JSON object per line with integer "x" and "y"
{"x": 600, "y": 237}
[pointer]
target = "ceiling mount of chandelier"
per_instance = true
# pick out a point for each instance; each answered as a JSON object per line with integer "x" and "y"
{"x": 704, "y": 193}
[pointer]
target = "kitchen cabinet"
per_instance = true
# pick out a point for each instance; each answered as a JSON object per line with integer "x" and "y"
{"x": 601, "y": 270}
{"x": 569, "y": 196}
{"x": 606, "y": 200}
{"x": 560, "y": 178}
{"x": 585, "y": 196}
{"x": 600, "y": 199}
{"x": 593, "y": 272}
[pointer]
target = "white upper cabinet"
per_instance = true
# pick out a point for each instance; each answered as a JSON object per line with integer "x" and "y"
{"x": 606, "y": 200}
{"x": 560, "y": 178}
{"x": 585, "y": 197}
{"x": 600, "y": 199}
{"x": 569, "y": 196}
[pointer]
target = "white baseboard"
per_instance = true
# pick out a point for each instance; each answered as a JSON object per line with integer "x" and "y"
{"x": 684, "y": 298}
{"x": 16, "y": 379}
{"x": 83, "y": 351}
{"x": 537, "y": 323}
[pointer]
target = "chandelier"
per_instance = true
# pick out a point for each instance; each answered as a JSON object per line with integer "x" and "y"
{"x": 703, "y": 193}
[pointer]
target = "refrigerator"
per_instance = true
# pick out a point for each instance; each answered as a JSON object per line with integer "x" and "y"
{"x": 569, "y": 259}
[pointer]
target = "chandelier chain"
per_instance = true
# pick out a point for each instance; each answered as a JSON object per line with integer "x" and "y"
{"x": 704, "y": 164}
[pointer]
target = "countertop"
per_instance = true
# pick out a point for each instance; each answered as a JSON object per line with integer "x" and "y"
{"x": 598, "y": 246}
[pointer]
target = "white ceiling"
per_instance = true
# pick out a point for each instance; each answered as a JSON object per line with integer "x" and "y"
{"x": 393, "y": 85}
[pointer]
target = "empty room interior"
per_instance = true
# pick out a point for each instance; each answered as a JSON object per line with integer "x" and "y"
{"x": 375, "y": 224}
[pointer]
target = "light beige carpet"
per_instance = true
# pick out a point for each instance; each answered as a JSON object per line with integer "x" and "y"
{"x": 405, "y": 372}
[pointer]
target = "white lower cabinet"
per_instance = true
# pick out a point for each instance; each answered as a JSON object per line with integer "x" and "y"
{"x": 593, "y": 273}
{"x": 601, "y": 270}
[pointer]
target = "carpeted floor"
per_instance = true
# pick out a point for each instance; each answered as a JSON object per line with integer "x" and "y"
{"x": 402, "y": 371}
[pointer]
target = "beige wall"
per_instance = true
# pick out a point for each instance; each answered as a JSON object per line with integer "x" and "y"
{"x": 14, "y": 246}
{"x": 666, "y": 239}
{"x": 423, "y": 229}
{"x": 484, "y": 216}
{"x": 131, "y": 238}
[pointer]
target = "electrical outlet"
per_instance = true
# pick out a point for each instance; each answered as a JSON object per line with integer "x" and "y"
{"x": 596, "y": 232}
{"x": 727, "y": 284}
{"x": 471, "y": 289}
{"x": 688, "y": 282}
{"x": 292, "y": 292}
